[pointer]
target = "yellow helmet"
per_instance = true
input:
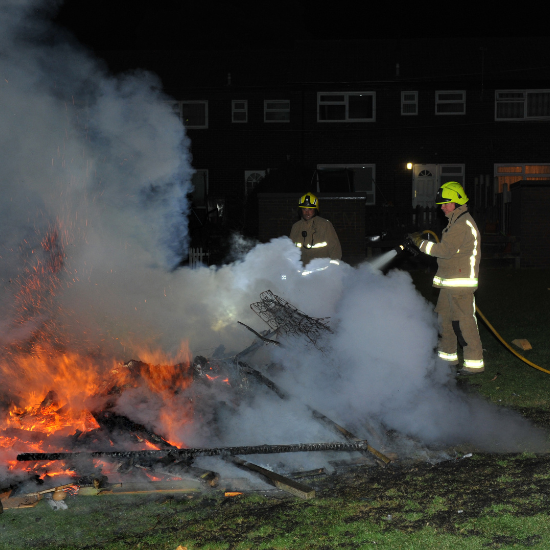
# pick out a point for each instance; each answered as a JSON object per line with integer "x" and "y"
{"x": 309, "y": 200}
{"x": 451, "y": 191}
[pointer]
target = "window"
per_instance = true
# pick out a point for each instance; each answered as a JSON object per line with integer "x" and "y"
{"x": 346, "y": 107}
{"x": 409, "y": 103}
{"x": 239, "y": 110}
{"x": 193, "y": 114}
{"x": 276, "y": 110}
{"x": 522, "y": 104}
{"x": 251, "y": 179}
{"x": 452, "y": 102}
{"x": 451, "y": 172}
{"x": 506, "y": 174}
{"x": 347, "y": 178}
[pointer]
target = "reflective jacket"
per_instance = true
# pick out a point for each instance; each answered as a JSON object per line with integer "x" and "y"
{"x": 458, "y": 253}
{"x": 317, "y": 239}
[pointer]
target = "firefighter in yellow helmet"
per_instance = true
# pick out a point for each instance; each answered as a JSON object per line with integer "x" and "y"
{"x": 313, "y": 235}
{"x": 458, "y": 256}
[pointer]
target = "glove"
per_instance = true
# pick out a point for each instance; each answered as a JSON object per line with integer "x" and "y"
{"x": 416, "y": 238}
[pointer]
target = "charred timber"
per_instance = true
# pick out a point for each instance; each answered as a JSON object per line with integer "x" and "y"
{"x": 215, "y": 451}
{"x": 114, "y": 422}
{"x": 383, "y": 459}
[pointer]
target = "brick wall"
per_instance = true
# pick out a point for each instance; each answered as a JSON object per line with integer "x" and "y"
{"x": 278, "y": 211}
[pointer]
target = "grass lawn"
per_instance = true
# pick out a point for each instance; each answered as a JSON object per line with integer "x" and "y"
{"x": 484, "y": 501}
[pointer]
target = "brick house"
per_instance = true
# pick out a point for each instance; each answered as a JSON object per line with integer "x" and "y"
{"x": 385, "y": 120}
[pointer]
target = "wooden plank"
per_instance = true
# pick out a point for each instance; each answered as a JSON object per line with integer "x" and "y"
{"x": 176, "y": 486}
{"x": 26, "y": 501}
{"x": 281, "y": 482}
{"x": 522, "y": 343}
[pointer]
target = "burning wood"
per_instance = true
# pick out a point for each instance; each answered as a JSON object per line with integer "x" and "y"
{"x": 101, "y": 427}
{"x": 114, "y": 422}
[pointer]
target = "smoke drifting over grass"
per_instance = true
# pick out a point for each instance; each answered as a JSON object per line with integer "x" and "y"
{"x": 94, "y": 175}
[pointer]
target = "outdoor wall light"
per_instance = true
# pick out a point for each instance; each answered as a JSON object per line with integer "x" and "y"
{"x": 409, "y": 165}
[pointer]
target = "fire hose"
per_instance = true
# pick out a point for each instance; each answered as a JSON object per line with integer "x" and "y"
{"x": 490, "y": 326}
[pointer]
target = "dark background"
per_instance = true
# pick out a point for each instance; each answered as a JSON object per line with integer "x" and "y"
{"x": 213, "y": 24}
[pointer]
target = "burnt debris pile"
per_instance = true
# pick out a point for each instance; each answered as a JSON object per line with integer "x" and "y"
{"x": 114, "y": 441}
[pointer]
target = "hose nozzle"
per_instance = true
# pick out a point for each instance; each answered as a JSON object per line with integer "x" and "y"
{"x": 408, "y": 246}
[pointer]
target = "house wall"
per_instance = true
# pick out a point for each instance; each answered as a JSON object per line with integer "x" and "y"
{"x": 295, "y": 148}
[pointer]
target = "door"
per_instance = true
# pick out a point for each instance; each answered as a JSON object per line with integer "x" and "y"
{"x": 424, "y": 184}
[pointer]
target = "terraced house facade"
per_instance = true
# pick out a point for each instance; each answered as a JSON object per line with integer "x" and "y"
{"x": 382, "y": 122}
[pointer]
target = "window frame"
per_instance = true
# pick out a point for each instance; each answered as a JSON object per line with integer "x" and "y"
{"x": 450, "y": 101}
{"x": 177, "y": 107}
{"x": 234, "y": 110}
{"x": 354, "y": 165}
{"x": 345, "y": 102}
{"x": 408, "y": 102}
{"x": 266, "y": 110}
{"x": 525, "y": 100}
{"x": 522, "y": 174}
{"x": 247, "y": 174}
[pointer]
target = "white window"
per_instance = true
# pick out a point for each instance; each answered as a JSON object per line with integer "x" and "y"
{"x": 276, "y": 110}
{"x": 506, "y": 174}
{"x": 347, "y": 178}
{"x": 450, "y": 102}
{"x": 346, "y": 106}
{"x": 193, "y": 114}
{"x": 251, "y": 179}
{"x": 522, "y": 104}
{"x": 409, "y": 103}
{"x": 239, "y": 110}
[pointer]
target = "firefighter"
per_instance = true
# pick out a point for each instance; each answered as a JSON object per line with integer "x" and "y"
{"x": 458, "y": 256}
{"x": 313, "y": 235}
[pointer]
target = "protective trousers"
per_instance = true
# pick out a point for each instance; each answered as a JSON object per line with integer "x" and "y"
{"x": 457, "y": 321}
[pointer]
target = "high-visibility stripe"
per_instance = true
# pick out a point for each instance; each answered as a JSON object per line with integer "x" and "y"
{"x": 318, "y": 245}
{"x": 305, "y": 273}
{"x": 299, "y": 245}
{"x": 429, "y": 247}
{"x": 455, "y": 283}
{"x": 335, "y": 262}
{"x": 474, "y": 252}
{"x": 447, "y": 356}
{"x": 474, "y": 364}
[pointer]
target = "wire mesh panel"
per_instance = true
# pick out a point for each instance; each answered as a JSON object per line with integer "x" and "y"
{"x": 287, "y": 319}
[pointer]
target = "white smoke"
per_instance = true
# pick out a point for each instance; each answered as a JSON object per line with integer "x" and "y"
{"x": 99, "y": 160}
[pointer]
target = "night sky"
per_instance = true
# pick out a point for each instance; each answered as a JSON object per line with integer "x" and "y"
{"x": 213, "y": 24}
